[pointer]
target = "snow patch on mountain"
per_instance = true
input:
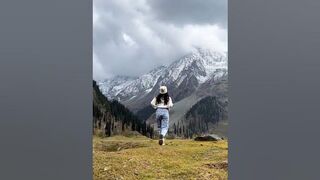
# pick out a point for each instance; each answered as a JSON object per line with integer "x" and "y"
{"x": 203, "y": 64}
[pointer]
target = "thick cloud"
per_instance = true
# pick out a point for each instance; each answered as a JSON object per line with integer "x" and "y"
{"x": 182, "y": 12}
{"x": 132, "y": 37}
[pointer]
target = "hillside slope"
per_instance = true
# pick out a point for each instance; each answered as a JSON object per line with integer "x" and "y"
{"x": 111, "y": 117}
{"x": 205, "y": 117}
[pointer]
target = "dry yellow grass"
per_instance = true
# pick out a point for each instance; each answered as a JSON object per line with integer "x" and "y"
{"x": 141, "y": 158}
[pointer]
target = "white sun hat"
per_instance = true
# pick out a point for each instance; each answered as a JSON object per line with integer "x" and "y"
{"x": 163, "y": 89}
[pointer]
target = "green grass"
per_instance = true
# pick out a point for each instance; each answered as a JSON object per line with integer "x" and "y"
{"x": 138, "y": 157}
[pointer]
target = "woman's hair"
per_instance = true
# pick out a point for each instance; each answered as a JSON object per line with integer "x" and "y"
{"x": 165, "y": 98}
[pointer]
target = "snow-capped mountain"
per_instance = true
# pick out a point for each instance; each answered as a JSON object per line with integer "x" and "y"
{"x": 198, "y": 75}
{"x": 124, "y": 88}
{"x": 182, "y": 77}
{"x": 203, "y": 64}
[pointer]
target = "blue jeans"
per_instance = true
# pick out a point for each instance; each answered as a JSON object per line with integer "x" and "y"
{"x": 162, "y": 116}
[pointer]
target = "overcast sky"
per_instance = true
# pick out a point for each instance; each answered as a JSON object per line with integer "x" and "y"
{"x": 130, "y": 37}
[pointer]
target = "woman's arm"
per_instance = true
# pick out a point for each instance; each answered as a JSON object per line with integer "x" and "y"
{"x": 170, "y": 104}
{"x": 153, "y": 103}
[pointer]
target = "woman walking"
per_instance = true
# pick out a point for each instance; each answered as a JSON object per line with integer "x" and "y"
{"x": 162, "y": 103}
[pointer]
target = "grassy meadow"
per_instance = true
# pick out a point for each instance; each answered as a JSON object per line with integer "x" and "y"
{"x": 138, "y": 157}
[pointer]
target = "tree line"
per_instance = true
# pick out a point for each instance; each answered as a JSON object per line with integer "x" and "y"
{"x": 197, "y": 120}
{"x": 111, "y": 117}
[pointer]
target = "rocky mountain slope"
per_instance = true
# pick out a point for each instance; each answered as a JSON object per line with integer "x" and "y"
{"x": 195, "y": 76}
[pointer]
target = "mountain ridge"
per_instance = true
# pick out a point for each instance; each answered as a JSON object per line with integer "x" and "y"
{"x": 197, "y": 67}
{"x": 197, "y": 75}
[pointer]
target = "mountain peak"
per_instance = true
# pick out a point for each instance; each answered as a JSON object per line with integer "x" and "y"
{"x": 198, "y": 67}
{"x": 203, "y": 63}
